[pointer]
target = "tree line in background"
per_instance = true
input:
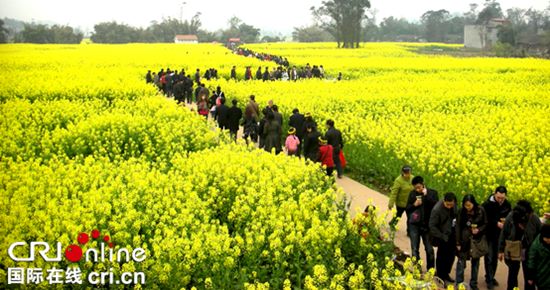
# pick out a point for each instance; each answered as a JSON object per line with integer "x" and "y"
{"x": 42, "y": 34}
{"x": 348, "y": 22}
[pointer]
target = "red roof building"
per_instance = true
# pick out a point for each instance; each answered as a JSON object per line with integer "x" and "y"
{"x": 186, "y": 39}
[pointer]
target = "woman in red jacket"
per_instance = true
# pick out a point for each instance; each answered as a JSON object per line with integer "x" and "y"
{"x": 325, "y": 155}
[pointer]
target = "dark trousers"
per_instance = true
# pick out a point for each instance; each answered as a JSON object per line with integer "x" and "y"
{"x": 299, "y": 150}
{"x": 189, "y": 96}
{"x": 399, "y": 214}
{"x": 513, "y": 271}
{"x": 233, "y": 135}
{"x": 491, "y": 261}
{"x": 222, "y": 127}
{"x": 461, "y": 266}
{"x": 330, "y": 170}
{"x": 416, "y": 234}
{"x": 445, "y": 257}
{"x": 262, "y": 142}
{"x": 337, "y": 162}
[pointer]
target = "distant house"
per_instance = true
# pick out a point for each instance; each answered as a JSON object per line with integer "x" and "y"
{"x": 482, "y": 35}
{"x": 533, "y": 45}
{"x": 186, "y": 39}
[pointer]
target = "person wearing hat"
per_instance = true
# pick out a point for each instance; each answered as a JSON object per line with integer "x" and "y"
{"x": 324, "y": 155}
{"x": 401, "y": 188}
{"x": 292, "y": 142}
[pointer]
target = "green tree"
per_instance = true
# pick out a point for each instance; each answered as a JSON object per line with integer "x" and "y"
{"x": 312, "y": 33}
{"x": 114, "y": 33}
{"x": 3, "y": 32}
{"x": 248, "y": 33}
{"x": 490, "y": 10}
{"x": 343, "y": 19}
{"x": 435, "y": 25}
{"x": 506, "y": 35}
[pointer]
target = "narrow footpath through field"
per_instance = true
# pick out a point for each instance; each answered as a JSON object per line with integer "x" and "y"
{"x": 360, "y": 195}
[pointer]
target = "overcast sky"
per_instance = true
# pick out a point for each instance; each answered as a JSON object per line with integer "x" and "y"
{"x": 279, "y": 15}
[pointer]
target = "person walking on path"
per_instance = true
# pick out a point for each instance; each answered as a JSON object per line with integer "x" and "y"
{"x": 249, "y": 125}
{"x": 334, "y": 138}
{"x": 221, "y": 114}
{"x": 202, "y": 106}
{"x": 274, "y": 132}
{"x": 253, "y": 106}
{"x": 442, "y": 223}
{"x": 471, "y": 223}
{"x": 539, "y": 259}
{"x": 292, "y": 142}
{"x": 420, "y": 204}
{"x": 297, "y": 121}
{"x": 311, "y": 142}
{"x": 324, "y": 156}
{"x": 148, "y": 77}
{"x": 497, "y": 209}
{"x": 520, "y": 229}
{"x": 278, "y": 116}
{"x": 262, "y": 133}
{"x": 234, "y": 115}
{"x": 402, "y": 186}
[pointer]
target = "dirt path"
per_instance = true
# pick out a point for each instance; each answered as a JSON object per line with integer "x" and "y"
{"x": 360, "y": 196}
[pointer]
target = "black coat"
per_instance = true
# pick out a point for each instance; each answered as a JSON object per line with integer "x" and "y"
{"x": 441, "y": 222}
{"x": 279, "y": 118}
{"x": 334, "y": 138}
{"x": 428, "y": 202}
{"x": 532, "y": 230}
{"x": 265, "y": 76}
{"x": 221, "y": 114}
{"x": 311, "y": 145}
{"x": 495, "y": 212}
{"x": 168, "y": 79}
{"x": 197, "y": 77}
{"x": 234, "y": 115}
{"x": 233, "y": 74}
{"x": 262, "y": 134}
{"x": 297, "y": 121}
{"x": 148, "y": 78}
{"x": 258, "y": 74}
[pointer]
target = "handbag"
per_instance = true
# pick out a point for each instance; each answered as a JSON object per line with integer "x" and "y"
{"x": 415, "y": 217}
{"x": 478, "y": 248}
{"x": 512, "y": 250}
{"x": 342, "y": 158}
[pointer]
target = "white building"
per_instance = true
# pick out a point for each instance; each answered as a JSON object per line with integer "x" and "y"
{"x": 482, "y": 35}
{"x": 186, "y": 39}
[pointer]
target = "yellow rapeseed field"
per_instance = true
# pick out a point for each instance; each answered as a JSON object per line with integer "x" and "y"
{"x": 86, "y": 144}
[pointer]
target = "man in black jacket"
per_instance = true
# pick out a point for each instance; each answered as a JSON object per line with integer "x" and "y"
{"x": 189, "y": 87}
{"x": 221, "y": 114}
{"x": 297, "y": 120}
{"x": 278, "y": 116}
{"x": 234, "y": 73}
{"x": 442, "y": 229}
{"x": 234, "y": 115}
{"x": 419, "y": 209}
{"x": 497, "y": 209}
{"x": 197, "y": 91}
{"x": 259, "y": 73}
{"x": 265, "y": 76}
{"x": 169, "y": 87}
{"x": 334, "y": 138}
{"x": 198, "y": 76}
{"x": 148, "y": 77}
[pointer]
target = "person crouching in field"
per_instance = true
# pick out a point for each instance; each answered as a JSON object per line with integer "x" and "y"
{"x": 292, "y": 142}
{"x": 325, "y": 155}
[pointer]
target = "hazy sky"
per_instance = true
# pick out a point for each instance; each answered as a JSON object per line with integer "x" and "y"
{"x": 279, "y": 15}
